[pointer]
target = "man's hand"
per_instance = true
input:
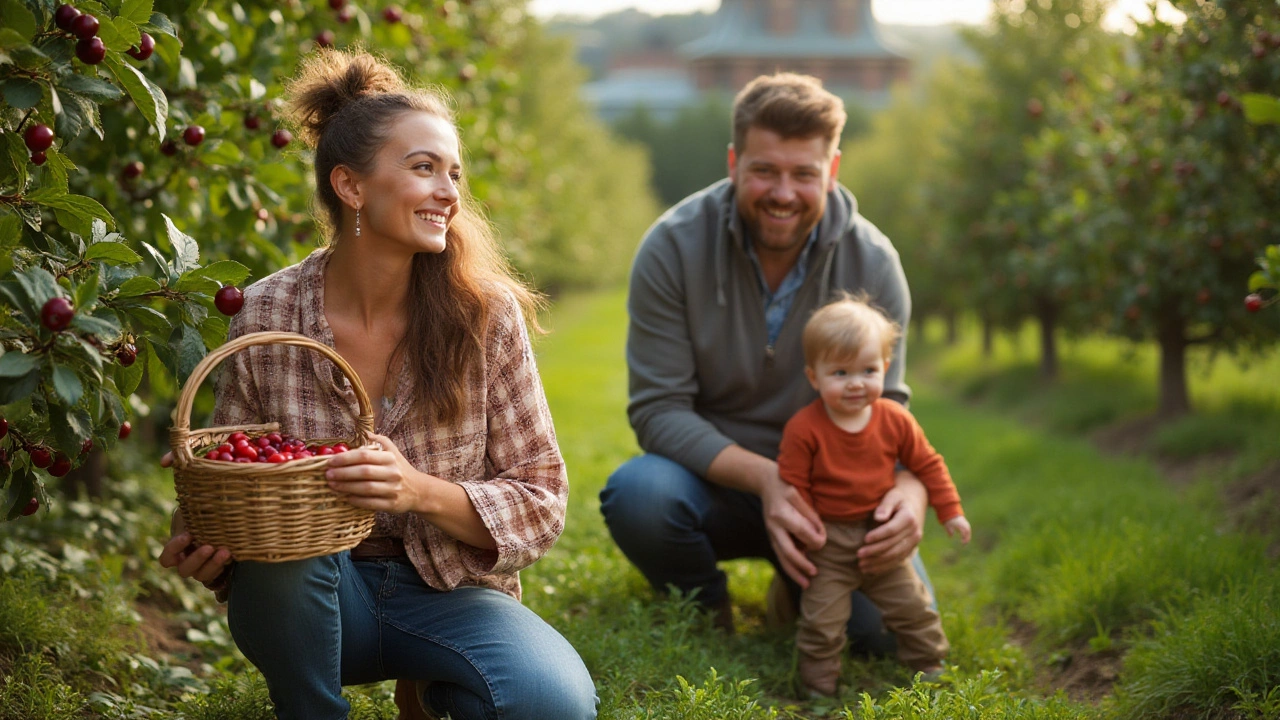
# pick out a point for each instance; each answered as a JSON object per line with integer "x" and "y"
{"x": 794, "y": 528}
{"x": 902, "y": 512}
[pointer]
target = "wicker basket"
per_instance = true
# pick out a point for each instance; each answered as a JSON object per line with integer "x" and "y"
{"x": 260, "y": 511}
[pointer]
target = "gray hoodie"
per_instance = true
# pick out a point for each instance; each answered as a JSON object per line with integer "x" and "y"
{"x": 702, "y": 376}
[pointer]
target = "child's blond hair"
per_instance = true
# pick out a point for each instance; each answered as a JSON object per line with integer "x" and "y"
{"x": 838, "y": 330}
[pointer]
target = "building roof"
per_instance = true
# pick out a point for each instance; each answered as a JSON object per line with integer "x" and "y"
{"x": 740, "y": 29}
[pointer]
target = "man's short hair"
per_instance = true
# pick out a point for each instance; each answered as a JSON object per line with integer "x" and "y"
{"x": 839, "y": 330}
{"x": 792, "y": 105}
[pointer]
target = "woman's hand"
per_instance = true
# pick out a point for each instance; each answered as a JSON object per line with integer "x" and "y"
{"x": 205, "y": 564}
{"x": 376, "y": 479}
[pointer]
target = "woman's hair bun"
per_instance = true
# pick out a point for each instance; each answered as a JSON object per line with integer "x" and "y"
{"x": 328, "y": 80}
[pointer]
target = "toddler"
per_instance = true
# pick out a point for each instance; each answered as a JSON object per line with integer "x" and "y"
{"x": 840, "y": 451}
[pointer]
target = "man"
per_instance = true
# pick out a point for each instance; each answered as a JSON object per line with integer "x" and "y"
{"x": 720, "y": 291}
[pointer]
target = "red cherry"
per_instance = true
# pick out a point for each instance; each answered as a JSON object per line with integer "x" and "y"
{"x": 91, "y": 51}
{"x": 324, "y": 450}
{"x": 34, "y": 505}
{"x": 126, "y": 354}
{"x": 252, "y": 122}
{"x": 61, "y": 466}
{"x": 1035, "y": 108}
{"x": 211, "y": 455}
{"x": 1224, "y": 98}
{"x": 274, "y": 437}
{"x": 247, "y": 451}
{"x": 146, "y": 45}
{"x": 324, "y": 38}
{"x": 262, "y": 442}
{"x": 243, "y": 460}
{"x": 38, "y": 137}
{"x": 64, "y": 15}
{"x": 340, "y": 448}
{"x": 276, "y": 458}
{"x": 241, "y": 443}
{"x": 225, "y": 457}
{"x": 229, "y": 300}
{"x": 84, "y": 26}
{"x": 1253, "y": 302}
{"x": 40, "y": 456}
{"x": 337, "y": 4}
{"x": 4, "y": 427}
{"x": 281, "y": 138}
{"x": 302, "y": 454}
{"x": 86, "y": 446}
{"x": 236, "y": 436}
{"x": 392, "y": 14}
{"x": 56, "y": 314}
{"x": 345, "y": 15}
{"x": 193, "y": 135}
{"x": 126, "y": 427}
{"x": 287, "y": 456}
{"x": 38, "y": 158}
{"x": 132, "y": 171}
{"x": 169, "y": 148}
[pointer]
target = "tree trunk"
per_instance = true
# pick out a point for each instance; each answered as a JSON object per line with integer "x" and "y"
{"x": 953, "y": 329}
{"x": 1172, "y": 336}
{"x": 1047, "y": 314}
{"x": 988, "y": 336}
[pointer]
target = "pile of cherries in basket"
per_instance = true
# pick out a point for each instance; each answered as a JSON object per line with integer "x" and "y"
{"x": 270, "y": 448}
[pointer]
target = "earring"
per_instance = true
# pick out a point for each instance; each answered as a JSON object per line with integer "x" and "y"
{"x": 357, "y": 222}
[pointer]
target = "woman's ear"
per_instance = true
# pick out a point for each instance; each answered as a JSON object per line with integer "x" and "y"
{"x": 347, "y": 186}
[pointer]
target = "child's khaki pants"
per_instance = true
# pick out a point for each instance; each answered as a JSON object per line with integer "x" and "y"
{"x": 900, "y": 594}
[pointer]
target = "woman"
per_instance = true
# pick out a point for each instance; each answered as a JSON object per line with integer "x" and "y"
{"x": 469, "y": 485}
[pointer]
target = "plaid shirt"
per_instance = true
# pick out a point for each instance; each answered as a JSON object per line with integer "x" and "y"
{"x": 502, "y": 450}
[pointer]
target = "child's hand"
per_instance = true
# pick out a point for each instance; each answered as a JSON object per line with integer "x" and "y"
{"x": 958, "y": 525}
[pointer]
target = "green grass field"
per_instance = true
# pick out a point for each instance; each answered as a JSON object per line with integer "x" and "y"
{"x": 1093, "y": 589}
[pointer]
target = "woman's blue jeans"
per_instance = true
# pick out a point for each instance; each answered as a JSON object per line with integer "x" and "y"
{"x": 674, "y": 526}
{"x": 312, "y": 626}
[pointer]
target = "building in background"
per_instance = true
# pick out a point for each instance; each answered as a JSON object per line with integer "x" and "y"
{"x": 836, "y": 40}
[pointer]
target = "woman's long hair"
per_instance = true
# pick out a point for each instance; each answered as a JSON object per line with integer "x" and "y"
{"x": 344, "y": 102}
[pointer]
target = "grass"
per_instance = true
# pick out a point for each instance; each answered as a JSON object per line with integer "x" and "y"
{"x": 1076, "y": 554}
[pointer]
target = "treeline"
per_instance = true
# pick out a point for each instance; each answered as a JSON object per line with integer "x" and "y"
{"x": 1090, "y": 182}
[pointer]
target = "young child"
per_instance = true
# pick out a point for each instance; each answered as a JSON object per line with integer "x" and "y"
{"x": 840, "y": 451}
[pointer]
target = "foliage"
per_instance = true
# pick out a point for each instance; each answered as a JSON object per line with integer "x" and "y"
{"x": 150, "y": 154}
{"x": 688, "y": 152}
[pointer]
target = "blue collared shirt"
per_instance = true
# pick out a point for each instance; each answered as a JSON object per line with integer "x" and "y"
{"x": 778, "y": 304}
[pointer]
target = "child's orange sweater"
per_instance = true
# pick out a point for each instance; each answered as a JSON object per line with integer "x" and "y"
{"x": 845, "y": 475}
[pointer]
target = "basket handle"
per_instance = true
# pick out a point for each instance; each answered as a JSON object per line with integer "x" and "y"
{"x": 180, "y": 433}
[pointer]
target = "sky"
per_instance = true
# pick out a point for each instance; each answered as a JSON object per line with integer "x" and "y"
{"x": 906, "y": 12}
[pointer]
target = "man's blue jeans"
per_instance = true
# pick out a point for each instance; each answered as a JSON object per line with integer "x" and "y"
{"x": 312, "y": 626}
{"x": 674, "y": 526}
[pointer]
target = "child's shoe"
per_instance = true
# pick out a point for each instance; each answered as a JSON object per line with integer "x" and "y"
{"x": 819, "y": 677}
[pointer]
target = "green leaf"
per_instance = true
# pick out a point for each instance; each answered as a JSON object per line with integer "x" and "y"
{"x": 139, "y": 285}
{"x": 227, "y": 272}
{"x": 160, "y": 261}
{"x": 19, "y": 158}
{"x": 80, "y": 207}
{"x": 1261, "y": 109}
{"x": 86, "y": 293}
{"x": 39, "y": 286}
{"x": 150, "y": 318}
{"x": 22, "y": 93}
{"x": 106, "y": 327}
{"x": 195, "y": 281}
{"x": 128, "y": 378}
{"x": 23, "y": 387}
{"x": 18, "y": 18}
{"x": 224, "y": 153}
{"x": 214, "y": 330}
{"x": 10, "y": 38}
{"x": 161, "y": 24}
{"x": 188, "y": 350}
{"x": 70, "y": 426}
{"x": 186, "y": 253}
{"x": 138, "y": 11}
{"x": 113, "y": 253}
{"x": 90, "y": 87}
{"x": 84, "y": 350}
{"x": 22, "y": 487}
{"x": 67, "y": 384}
{"x": 15, "y": 364}
{"x": 150, "y": 99}
{"x": 118, "y": 33}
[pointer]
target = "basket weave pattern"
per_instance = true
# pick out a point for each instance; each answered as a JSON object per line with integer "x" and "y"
{"x": 262, "y": 511}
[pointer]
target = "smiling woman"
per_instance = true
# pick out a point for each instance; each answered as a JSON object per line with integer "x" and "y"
{"x": 465, "y": 477}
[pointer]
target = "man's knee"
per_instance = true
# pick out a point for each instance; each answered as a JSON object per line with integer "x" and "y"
{"x": 646, "y": 493}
